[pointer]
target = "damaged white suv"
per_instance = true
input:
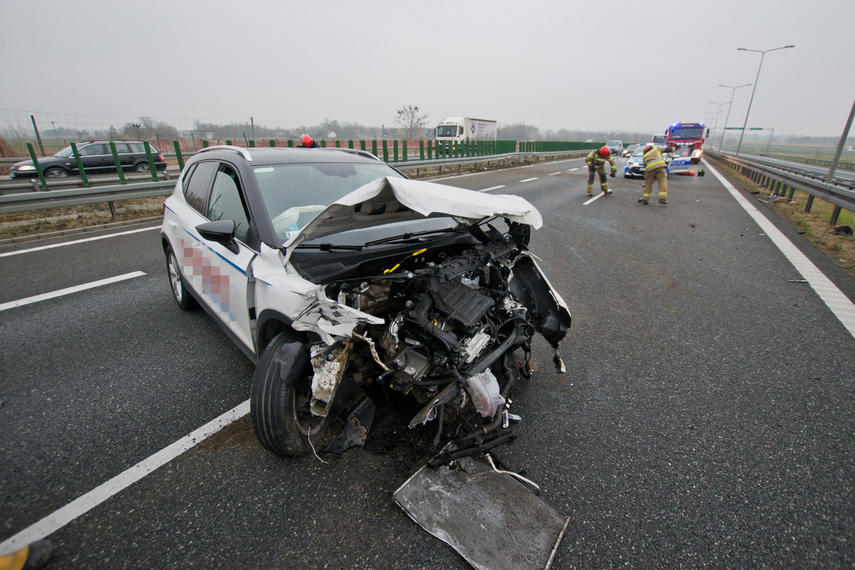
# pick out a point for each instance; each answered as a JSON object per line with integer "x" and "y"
{"x": 338, "y": 276}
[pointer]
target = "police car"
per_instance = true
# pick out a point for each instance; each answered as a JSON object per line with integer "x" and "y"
{"x": 680, "y": 161}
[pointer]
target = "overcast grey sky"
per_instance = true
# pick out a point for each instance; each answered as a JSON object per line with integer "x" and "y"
{"x": 580, "y": 65}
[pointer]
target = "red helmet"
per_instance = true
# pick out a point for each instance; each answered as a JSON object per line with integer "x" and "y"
{"x": 647, "y": 148}
{"x": 307, "y": 141}
{"x": 605, "y": 152}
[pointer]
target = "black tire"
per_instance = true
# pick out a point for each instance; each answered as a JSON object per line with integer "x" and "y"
{"x": 280, "y": 397}
{"x": 56, "y": 172}
{"x": 142, "y": 167}
{"x": 183, "y": 298}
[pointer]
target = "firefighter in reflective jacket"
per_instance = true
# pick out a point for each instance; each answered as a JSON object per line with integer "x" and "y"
{"x": 596, "y": 162}
{"x": 655, "y": 169}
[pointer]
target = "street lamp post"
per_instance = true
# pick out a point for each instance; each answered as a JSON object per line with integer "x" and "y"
{"x": 709, "y": 117}
{"x": 715, "y": 125}
{"x": 763, "y": 54}
{"x": 729, "y": 107}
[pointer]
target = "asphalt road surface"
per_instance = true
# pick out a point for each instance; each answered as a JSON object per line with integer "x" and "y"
{"x": 707, "y": 416}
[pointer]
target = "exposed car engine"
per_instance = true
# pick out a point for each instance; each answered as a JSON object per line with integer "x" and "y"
{"x": 452, "y": 328}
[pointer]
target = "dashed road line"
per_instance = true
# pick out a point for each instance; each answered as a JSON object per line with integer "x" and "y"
{"x": 69, "y": 291}
{"x": 597, "y": 197}
{"x": 75, "y": 242}
{"x": 528, "y": 179}
{"x": 492, "y": 188}
{"x": 120, "y": 482}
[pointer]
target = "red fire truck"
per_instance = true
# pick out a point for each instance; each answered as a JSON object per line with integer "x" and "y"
{"x": 690, "y": 135}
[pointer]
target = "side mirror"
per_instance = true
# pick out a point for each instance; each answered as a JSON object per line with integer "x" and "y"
{"x": 221, "y": 232}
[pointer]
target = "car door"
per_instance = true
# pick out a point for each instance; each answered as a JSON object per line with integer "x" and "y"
{"x": 96, "y": 158}
{"x": 126, "y": 158}
{"x": 215, "y": 270}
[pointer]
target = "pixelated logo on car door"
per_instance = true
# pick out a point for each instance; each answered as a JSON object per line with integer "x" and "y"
{"x": 209, "y": 275}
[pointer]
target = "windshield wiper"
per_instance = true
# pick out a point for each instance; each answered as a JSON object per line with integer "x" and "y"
{"x": 328, "y": 246}
{"x": 413, "y": 237}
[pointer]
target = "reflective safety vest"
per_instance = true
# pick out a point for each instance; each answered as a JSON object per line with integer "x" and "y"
{"x": 596, "y": 161}
{"x": 653, "y": 159}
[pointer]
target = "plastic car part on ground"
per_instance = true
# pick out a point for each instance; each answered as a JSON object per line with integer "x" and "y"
{"x": 496, "y": 522}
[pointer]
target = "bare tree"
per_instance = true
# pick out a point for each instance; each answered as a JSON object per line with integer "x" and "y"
{"x": 519, "y": 132}
{"x": 410, "y": 119}
{"x": 148, "y": 129}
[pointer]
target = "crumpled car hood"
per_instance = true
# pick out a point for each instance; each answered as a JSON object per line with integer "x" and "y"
{"x": 387, "y": 200}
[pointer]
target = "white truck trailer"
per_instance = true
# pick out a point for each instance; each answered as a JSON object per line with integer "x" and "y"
{"x": 465, "y": 129}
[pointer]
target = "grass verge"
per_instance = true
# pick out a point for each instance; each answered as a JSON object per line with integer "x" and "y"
{"x": 29, "y": 225}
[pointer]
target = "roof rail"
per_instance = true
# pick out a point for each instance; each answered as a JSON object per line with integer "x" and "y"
{"x": 240, "y": 150}
{"x": 360, "y": 152}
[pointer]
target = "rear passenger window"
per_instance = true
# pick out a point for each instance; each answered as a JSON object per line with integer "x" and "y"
{"x": 197, "y": 185}
{"x": 226, "y": 203}
{"x": 122, "y": 148}
{"x": 93, "y": 150}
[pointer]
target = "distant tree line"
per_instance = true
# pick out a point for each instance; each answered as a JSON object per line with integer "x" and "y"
{"x": 411, "y": 125}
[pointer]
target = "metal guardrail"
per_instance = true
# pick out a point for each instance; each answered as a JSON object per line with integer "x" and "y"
{"x": 802, "y": 169}
{"x": 809, "y": 160}
{"x": 78, "y": 196}
{"x": 508, "y": 158}
{"x": 782, "y": 183}
{"x": 40, "y": 200}
{"x": 72, "y": 182}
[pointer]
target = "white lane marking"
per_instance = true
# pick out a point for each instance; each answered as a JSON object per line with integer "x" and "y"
{"x": 492, "y": 188}
{"x": 120, "y": 482}
{"x": 452, "y": 177}
{"x": 556, "y": 173}
{"x": 573, "y": 169}
{"x": 75, "y": 242}
{"x": 597, "y": 197}
{"x": 68, "y": 290}
{"x": 529, "y": 179}
{"x": 833, "y": 297}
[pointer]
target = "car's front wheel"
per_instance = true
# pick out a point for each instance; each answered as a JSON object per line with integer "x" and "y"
{"x": 176, "y": 282}
{"x": 56, "y": 172}
{"x": 280, "y": 397}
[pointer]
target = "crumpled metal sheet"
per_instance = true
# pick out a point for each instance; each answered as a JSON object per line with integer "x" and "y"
{"x": 491, "y": 519}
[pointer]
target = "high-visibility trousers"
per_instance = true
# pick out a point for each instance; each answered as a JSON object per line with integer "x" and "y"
{"x": 658, "y": 175}
{"x": 604, "y": 181}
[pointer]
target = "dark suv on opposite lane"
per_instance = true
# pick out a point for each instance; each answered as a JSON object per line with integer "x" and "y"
{"x": 97, "y": 158}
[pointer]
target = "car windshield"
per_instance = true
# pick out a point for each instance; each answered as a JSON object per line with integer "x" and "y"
{"x": 64, "y": 153}
{"x": 295, "y": 193}
{"x": 614, "y": 143}
{"x": 688, "y": 133}
{"x": 639, "y": 151}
